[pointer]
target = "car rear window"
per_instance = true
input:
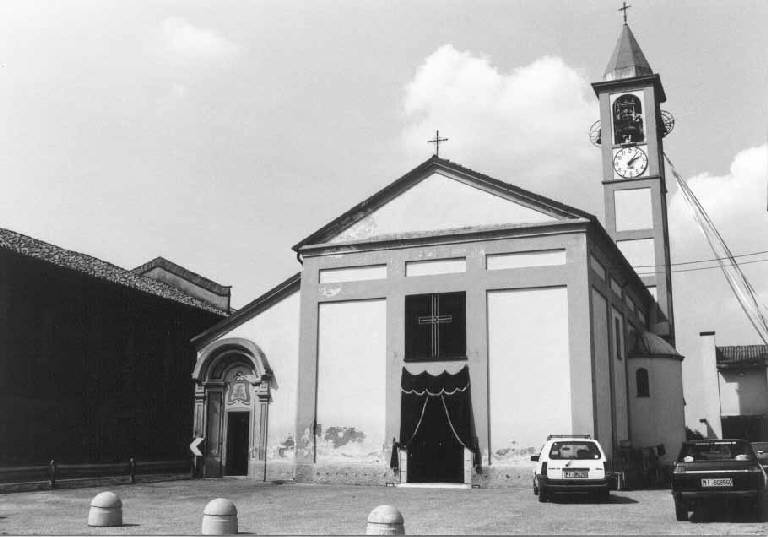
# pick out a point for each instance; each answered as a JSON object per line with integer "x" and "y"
{"x": 574, "y": 449}
{"x": 722, "y": 450}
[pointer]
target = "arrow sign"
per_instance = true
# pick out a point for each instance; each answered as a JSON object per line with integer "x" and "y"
{"x": 193, "y": 447}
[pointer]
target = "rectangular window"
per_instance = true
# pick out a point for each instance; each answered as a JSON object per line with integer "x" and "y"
{"x": 597, "y": 267}
{"x": 435, "y": 266}
{"x": 540, "y": 258}
{"x": 353, "y": 274}
{"x": 615, "y": 287}
{"x": 435, "y": 327}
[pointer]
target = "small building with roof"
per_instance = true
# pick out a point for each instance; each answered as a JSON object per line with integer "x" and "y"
{"x": 732, "y": 399}
{"x": 94, "y": 358}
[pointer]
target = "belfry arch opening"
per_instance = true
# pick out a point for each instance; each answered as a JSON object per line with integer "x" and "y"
{"x": 232, "y": 395}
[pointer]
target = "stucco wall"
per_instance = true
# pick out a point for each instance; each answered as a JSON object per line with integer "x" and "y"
{"x": 529, "y": 371}
{"x": 658, "y": 419}
{"x": 351, "y": 382}
{"x": 743, "y": 392}
{"x": 601, "y": 356}
{"x": 276, "y": 332}
{"x": 436, "y": 203}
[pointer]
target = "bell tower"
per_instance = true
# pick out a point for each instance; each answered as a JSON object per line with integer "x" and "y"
{"x": 629, "y": 135}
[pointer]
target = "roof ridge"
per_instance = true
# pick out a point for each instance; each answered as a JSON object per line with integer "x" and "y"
{"x": 94, "y": 267}
{"x": 183, "y": 271}
{"x": 368, "y": 205}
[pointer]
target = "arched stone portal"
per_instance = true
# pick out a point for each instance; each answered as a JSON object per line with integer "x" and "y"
{"x": 232, "y": 394}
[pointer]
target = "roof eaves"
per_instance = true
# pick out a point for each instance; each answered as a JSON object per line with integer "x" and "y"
{"x": 185, "y": 273}
{"x": 376, "y": 200}
{"x": 256, "y": 306}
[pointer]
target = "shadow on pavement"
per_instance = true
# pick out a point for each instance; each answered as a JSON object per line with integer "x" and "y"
{"x": 726, "y": 512}
{"x": 586, "y": 499}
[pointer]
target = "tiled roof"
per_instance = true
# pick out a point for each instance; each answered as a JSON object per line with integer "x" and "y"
{"x": 96, "y": 268}
{"x": 182, "y": 272}
{"x": 742, "y": 355}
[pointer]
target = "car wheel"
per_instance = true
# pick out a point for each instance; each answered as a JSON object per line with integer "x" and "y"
{"x": 603, "y": 495}
{"x": 535, "y": 487}
{"x": 543, "y": 495}
{"x": 681, "y": 510}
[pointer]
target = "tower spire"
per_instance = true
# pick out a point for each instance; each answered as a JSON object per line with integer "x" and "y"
{"x": 627, "y": 60}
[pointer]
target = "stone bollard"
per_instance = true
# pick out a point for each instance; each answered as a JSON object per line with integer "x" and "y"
{"x": 385, "y": 520}
{"x": 106, "y": 510}
{"x": 219, "y": 518}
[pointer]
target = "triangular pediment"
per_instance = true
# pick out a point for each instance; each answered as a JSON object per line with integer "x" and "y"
{"x": 439, "y": 203}
{"x": 436, "y": 197}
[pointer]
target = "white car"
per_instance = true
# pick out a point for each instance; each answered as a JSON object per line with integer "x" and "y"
{"x": 570, "y": 464}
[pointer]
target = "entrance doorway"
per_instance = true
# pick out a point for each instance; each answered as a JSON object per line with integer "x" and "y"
{"x": 436, "y": 426}
{"x": 434, "y": 455}
{"x": 237, "y": 443}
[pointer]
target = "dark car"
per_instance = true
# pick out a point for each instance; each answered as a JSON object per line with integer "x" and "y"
{"x": 717, "y": 469}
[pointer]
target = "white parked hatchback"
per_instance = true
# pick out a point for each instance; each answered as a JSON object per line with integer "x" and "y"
{"x": 570, "y": 464}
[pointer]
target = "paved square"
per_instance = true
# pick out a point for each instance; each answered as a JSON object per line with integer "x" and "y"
{"x": 176, "y": 507}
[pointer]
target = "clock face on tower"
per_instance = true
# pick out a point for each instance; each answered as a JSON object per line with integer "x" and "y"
{"x": 630, "y": 162}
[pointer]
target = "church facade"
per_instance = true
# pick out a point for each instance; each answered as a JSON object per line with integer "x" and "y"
{"x": 441, "y": 329}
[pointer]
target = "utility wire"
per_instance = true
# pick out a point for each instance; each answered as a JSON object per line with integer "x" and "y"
{"x": 740, "y": 285}
{"x": 648, "y": 273}
{"x": 702, "y": 260}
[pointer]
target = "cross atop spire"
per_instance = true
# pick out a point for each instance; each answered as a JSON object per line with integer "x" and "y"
{"x": 437, "y": 141}
{"x": 624, "y": 7}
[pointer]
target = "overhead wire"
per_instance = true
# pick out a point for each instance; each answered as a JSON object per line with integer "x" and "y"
{"x": 737, "y": 280}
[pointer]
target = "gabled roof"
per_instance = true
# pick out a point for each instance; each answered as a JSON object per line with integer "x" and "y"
{"x": 274, "y": 295}
{"x": 178, "y": 270}
{"x": 434, "y": 164}
{"x": 741, "y": 356}
{"x": 627, "y": 60}
{"x": 96, "y": 268}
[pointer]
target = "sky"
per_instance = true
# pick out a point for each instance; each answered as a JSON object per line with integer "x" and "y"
{"x": 220, "y": 133}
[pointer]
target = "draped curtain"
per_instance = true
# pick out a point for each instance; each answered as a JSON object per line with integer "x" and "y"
{"x": 449, "y": 393}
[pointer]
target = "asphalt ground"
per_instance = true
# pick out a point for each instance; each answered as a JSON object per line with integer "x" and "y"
{"x": 176, "y": 507}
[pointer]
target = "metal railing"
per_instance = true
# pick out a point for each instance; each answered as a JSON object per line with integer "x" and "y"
{"x": 54, "y": 471}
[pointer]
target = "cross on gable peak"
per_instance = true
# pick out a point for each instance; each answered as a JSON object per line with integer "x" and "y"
{"x": 436, "y": 140}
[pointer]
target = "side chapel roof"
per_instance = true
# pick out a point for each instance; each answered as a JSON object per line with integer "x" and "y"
{"x": 98, "y": 269}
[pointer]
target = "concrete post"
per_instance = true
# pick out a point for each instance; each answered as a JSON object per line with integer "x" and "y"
{"x": 385, "y": 520}
{"x": 106, "y": 510}
{"x": 219, "y": 518}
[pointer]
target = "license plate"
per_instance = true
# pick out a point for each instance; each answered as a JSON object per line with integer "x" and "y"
{"x": 575, "y": 474}
{"x": 719, "y": 482}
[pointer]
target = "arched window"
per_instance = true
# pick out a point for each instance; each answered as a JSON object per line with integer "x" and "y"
{"x": 628, "y": 120}
{"x": 643, "y": 384}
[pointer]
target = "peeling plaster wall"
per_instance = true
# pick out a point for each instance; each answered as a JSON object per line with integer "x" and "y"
{"x": 529, "y": 371}
{"x": 351, "y": 402}
{"x": 438, "y": 203}
{"x": 276, "y": 332}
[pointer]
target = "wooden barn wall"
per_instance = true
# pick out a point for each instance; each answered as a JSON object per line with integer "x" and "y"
{"x": 91, "y": 371}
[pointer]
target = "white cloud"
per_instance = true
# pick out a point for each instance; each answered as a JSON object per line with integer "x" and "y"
{"x": 185, "y": 41}
{"x": 736, "y": 203}
{"x": 530, "y": 124}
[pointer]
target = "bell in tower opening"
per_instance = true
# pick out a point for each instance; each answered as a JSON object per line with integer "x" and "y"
{"x": 628, "y": 120}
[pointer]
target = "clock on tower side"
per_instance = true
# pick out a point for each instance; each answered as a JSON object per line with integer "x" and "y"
{"x": 635, "y": 193}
